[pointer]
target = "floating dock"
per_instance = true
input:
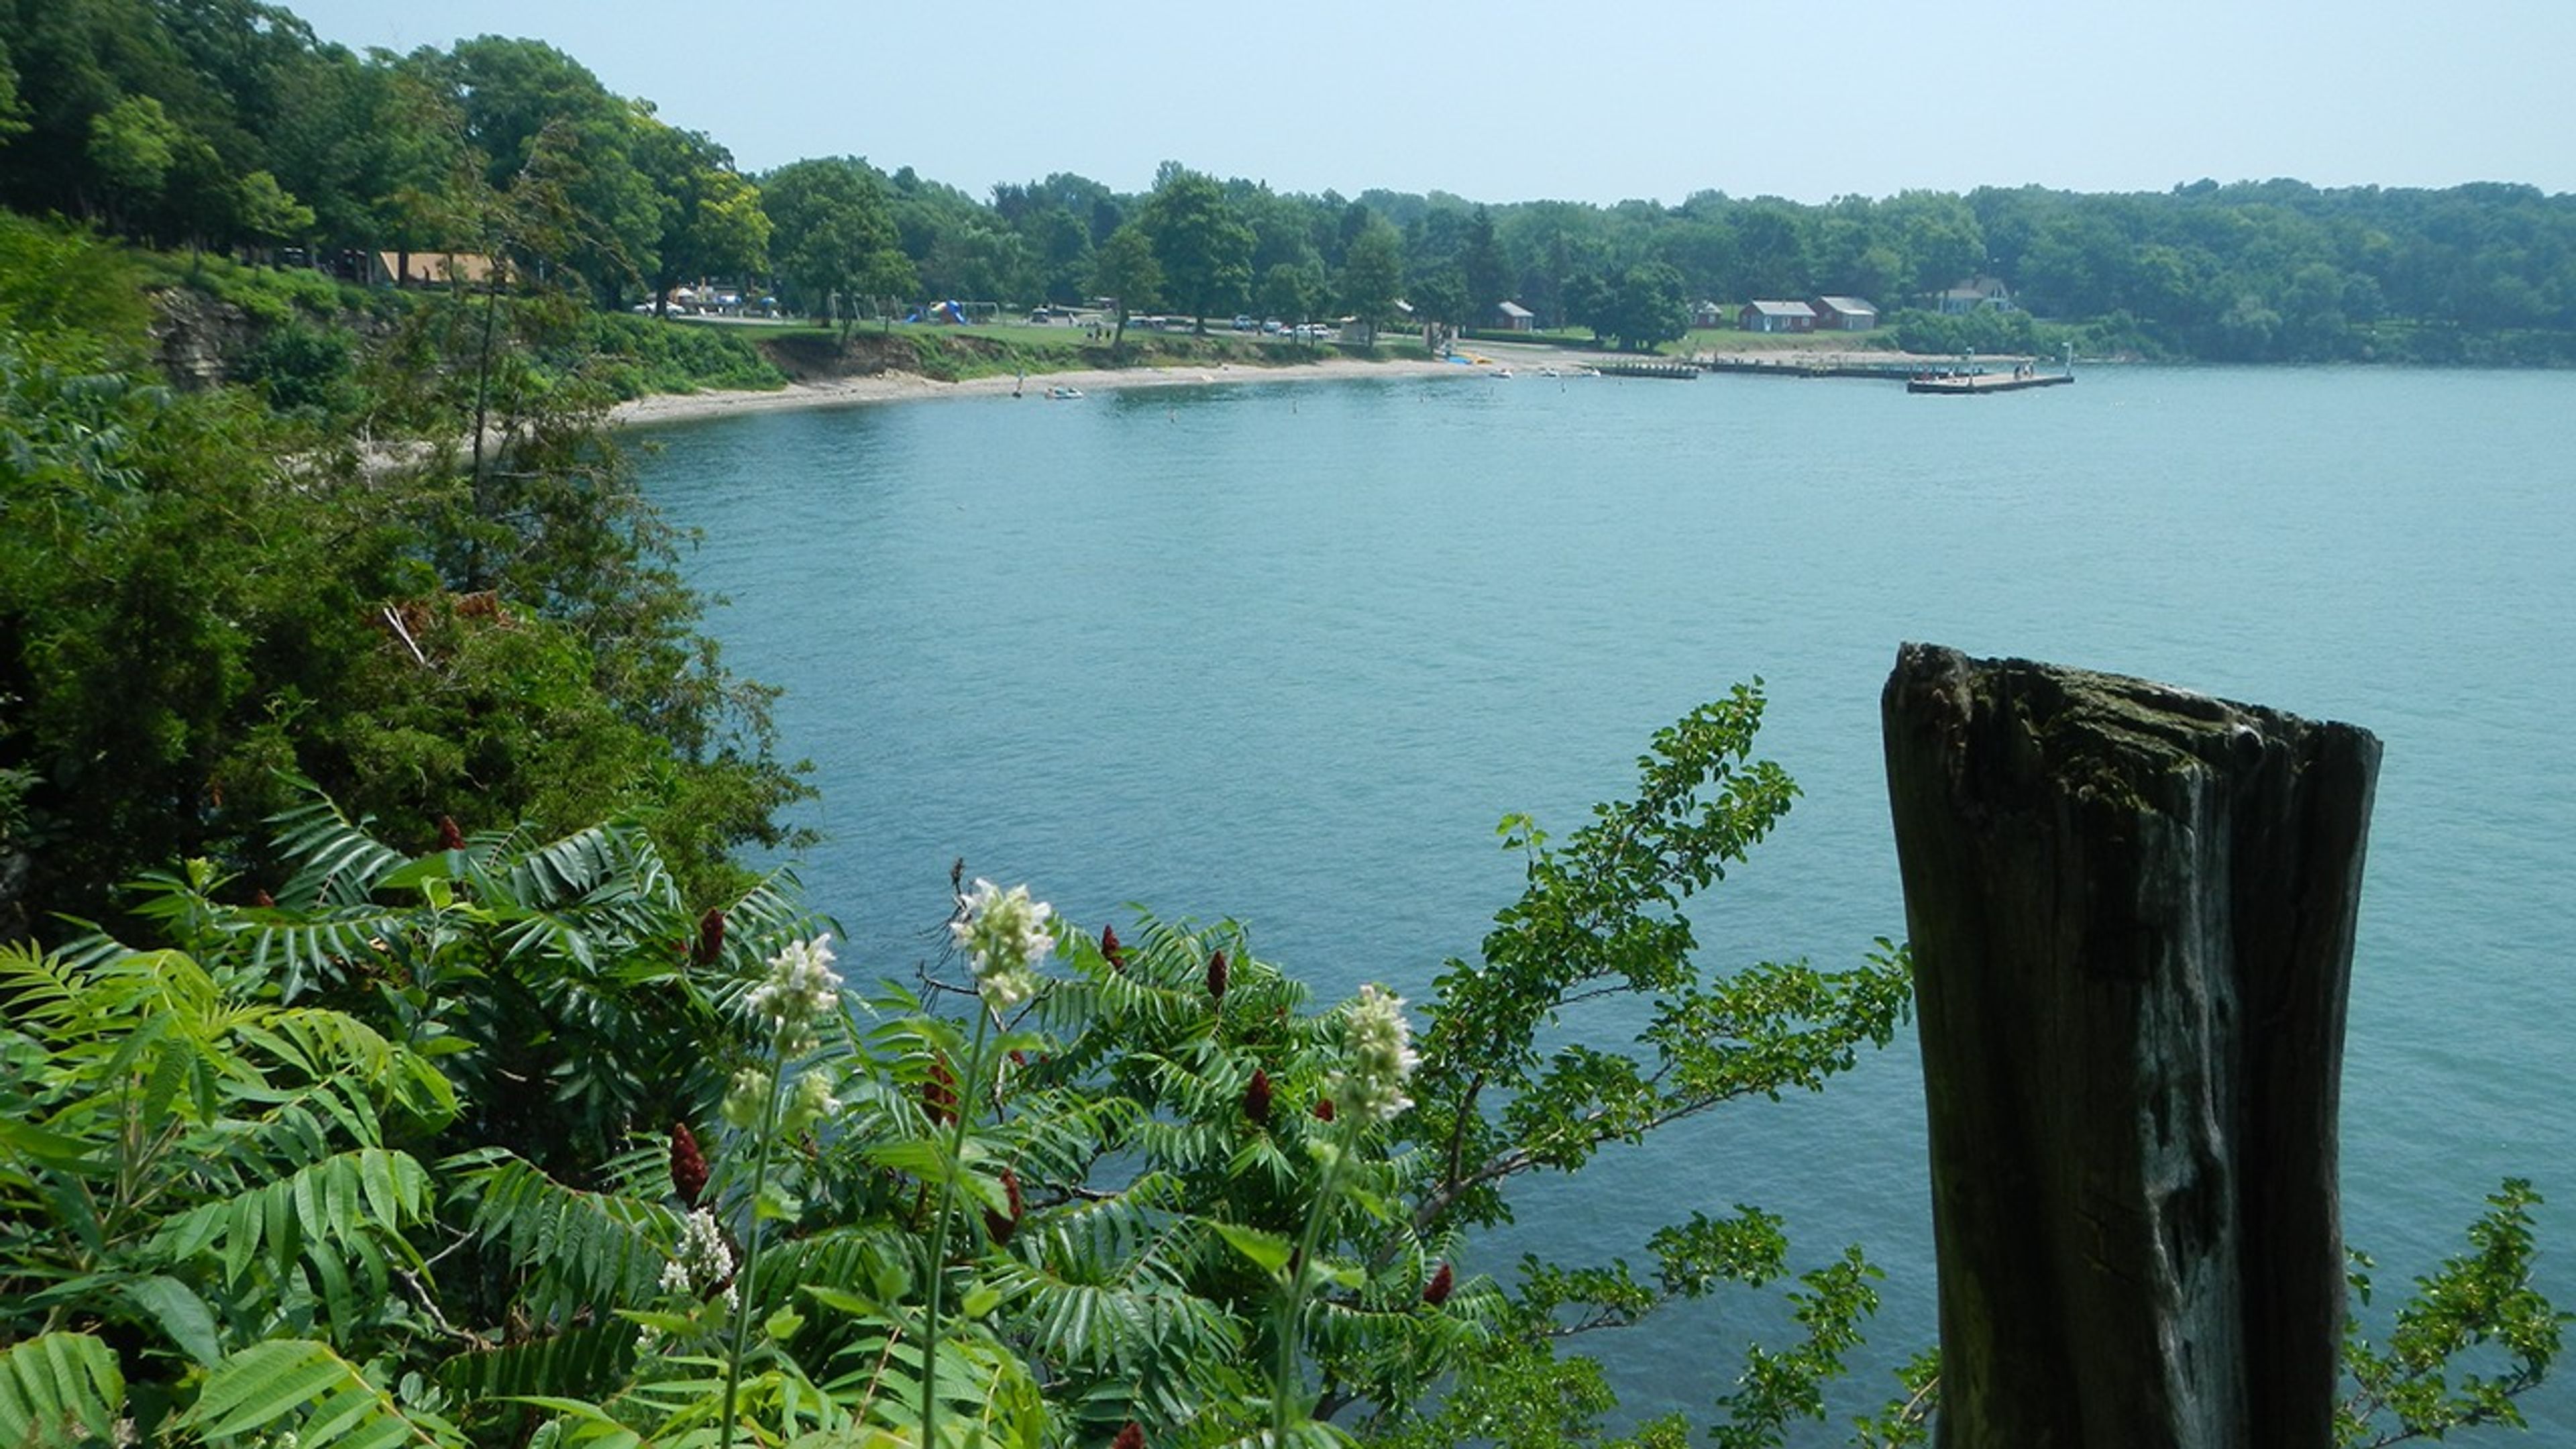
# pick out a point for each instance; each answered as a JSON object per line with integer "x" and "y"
{"x": 1980, "y": 383}
{"x": 1919, "y": 374}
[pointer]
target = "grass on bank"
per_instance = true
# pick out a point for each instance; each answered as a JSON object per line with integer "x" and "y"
{"x": 1701, "y": 339}
{"x": 1729, "y": 339}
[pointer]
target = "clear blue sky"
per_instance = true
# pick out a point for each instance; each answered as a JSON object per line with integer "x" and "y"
{"x": 1586, "y": 100}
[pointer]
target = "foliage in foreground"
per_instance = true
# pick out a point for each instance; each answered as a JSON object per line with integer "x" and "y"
{"x": 395, "y": 1153}
{"x": 501, "y": 1144}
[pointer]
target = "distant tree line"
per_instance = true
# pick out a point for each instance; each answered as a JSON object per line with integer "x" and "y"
{"x": 227, "y": 123}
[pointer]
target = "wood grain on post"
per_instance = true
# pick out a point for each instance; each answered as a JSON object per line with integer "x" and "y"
{"x": 2132, "y": 916}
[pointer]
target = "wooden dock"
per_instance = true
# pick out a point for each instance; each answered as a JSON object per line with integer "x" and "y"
{"x": 1978, "y": 384}
{"x": 1796, "y": 367}
{"x": 1638, "y": 367}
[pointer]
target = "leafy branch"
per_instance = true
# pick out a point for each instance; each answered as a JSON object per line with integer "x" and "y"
{"x": 2481, "y": 1302}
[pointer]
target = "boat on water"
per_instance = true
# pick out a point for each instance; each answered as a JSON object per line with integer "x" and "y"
{"x": 1060, "y": 394}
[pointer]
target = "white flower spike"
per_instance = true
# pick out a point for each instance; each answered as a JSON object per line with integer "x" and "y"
{"x": 1004, "y": 935}
{"x": 1380, "y": 1043}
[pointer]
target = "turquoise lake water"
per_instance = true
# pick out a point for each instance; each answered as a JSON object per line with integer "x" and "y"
{"x": 1286, "y": 653}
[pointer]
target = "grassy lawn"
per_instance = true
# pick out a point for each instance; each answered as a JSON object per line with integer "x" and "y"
{"x": 1702, "y": 339}
{"x": 1728, "y": 339}
{"x": 760, "y": 327}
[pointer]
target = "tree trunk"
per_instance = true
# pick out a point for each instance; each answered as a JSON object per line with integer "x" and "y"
{"x": 2132, "y": 918}
{"x": 484, "y": 506}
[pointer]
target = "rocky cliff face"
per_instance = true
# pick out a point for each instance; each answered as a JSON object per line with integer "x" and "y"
{"x": 197, "y": 339}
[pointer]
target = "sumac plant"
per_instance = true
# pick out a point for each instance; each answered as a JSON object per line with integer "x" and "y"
{"x": 508, "y": 1144}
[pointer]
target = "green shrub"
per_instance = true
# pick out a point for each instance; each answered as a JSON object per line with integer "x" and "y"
{"x": 271, "y": 296}
{"x": 57, "y": 281}
{"x": 636, "y": 356}
{"x": 304, "y": 368}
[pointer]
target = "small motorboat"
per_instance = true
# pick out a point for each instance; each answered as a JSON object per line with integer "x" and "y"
{"x": 1060, "y": 394}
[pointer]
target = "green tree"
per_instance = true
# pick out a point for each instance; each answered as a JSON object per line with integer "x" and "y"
{"x": 1372, "y": 274}
{"x": 1293, "y": 291}
{"x": 376, "y": 147}
{"x": 2314, "y": 327}
{"x": 1551, "y": 241}
{"x": 948, "y": 237}
{"x": 134, "y": 147}
{"x": 1589, "y": 302}
{"x": 1702, "y": 249}
{"x": 833, "y": 237}
{"x": 1063, "y": 243}
{"x": 13, "y": 110}
{"x": 520, "y": 99}
{"x": 1937, "y": 236}
{"x": 1127, "y": 273}
{"x": 265, "y": 212}
{"x": 1771, "y": 248}
{"x": 1650, "y": 306}
{"x": 713, "y": 225}
{"x": 1204, "y": 250}
{"x": 1642, "y": 307}
{"x": 1487, "y": 274}
{"x": 2249, "y": 331}
{"x": 2076, "y": 265}
{"x": 980, "y": 261}
{"x": 1053, "y": 217}
{"x": 1438, "y": 292}
{"x": 76, "y": 61}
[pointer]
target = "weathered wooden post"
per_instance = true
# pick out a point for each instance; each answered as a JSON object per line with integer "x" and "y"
{"x": 2132, "y": 916}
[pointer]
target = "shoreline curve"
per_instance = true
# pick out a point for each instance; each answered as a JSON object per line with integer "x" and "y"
{"x": 904, "y": 387}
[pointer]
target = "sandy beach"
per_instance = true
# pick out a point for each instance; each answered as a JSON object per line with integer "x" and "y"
{"x": 901, "y": 386}
{"x": 905, "y": 386}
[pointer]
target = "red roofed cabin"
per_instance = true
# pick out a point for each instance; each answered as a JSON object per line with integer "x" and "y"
{"x": 1776, "y": 317}
{"x": 1845, "y": 314}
